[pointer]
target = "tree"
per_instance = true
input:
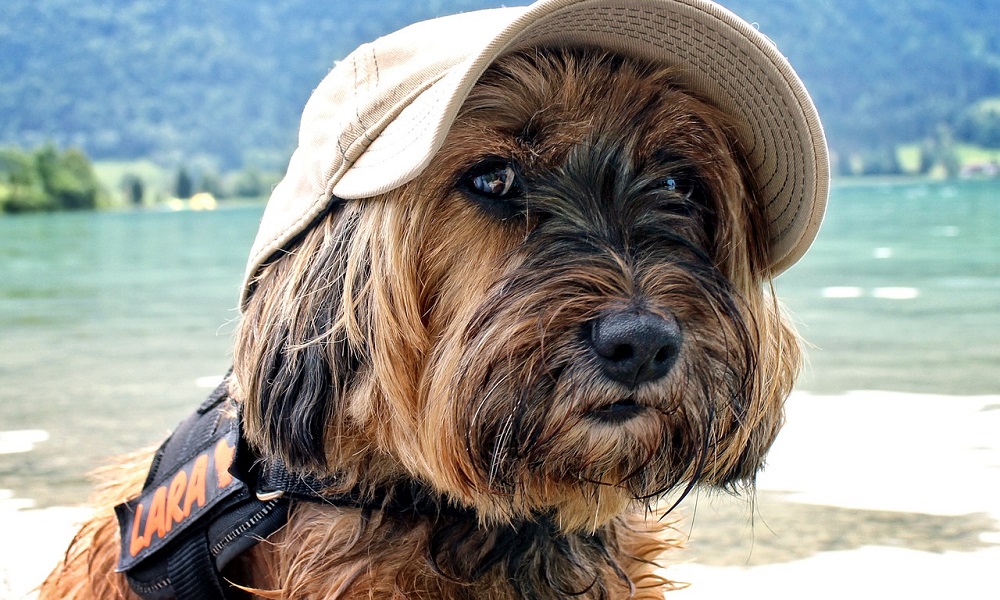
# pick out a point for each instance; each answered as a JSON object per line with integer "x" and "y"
{"x": 184, "y": 185}
{"x": 881, "y": 161}
{"x": 211, "y": 184}
{"x": 68, "y": 178}
{"x": 980, "y": 123}
{"x": 47, "y": 179}
{"x": 248, "y": 184}
{"x": 133, "y": 189}
{"x": 20, "y": 185}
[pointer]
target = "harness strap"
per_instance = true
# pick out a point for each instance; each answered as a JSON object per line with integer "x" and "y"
{"x": 194, "y": 514}
{"x": 209, "y": 497}
{"x": 192, "y": 570}
{"x": 271, "y": 479}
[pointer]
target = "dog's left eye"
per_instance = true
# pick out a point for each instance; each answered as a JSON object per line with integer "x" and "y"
{"x": 495, "y": 186}
{"x": 496, "y": 180}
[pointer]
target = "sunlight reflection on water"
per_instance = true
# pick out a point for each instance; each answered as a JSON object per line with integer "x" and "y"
{"x": 115, "y": 324}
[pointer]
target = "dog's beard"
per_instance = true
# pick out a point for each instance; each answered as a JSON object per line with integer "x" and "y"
{"x": 572, "y": 186}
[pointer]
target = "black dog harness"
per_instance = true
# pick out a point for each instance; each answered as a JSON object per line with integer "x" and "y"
{"x": 207, "y": 499}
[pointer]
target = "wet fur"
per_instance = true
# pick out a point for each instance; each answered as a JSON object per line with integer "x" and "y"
{"x": 430, "y": 339}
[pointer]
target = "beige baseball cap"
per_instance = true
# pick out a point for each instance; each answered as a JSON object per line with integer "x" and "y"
{"x": 381, "y": 114}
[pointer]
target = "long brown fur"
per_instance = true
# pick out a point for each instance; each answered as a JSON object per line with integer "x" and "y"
{"x": 430, "y": 339}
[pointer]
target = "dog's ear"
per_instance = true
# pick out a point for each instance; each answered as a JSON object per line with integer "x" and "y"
{"x": 332, "y": 338}
{"x": 772, "y": 352}
{"x": 298, "y": 349}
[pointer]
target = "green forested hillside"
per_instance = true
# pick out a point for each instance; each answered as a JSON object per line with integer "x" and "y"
{"x": 226, "y": 79}
{"x": 886, "y": 72}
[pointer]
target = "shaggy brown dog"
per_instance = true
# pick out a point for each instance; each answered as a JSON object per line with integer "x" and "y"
{"x": 560, "y": 321}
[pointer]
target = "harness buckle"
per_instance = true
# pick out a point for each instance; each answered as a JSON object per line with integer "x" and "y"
{"x": 268, "y": 496}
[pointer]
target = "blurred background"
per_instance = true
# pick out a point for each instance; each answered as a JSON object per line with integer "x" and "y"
{"x": 139, "y": 140}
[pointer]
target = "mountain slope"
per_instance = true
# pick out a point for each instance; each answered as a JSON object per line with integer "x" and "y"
{"x": 227, "y": 79}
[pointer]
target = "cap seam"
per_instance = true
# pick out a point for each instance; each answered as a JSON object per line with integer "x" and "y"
{"x": 736, "y": 66}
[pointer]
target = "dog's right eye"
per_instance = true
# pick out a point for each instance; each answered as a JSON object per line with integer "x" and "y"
{"x": 495, "y": 185}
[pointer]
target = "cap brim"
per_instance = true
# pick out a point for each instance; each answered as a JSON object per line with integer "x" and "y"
{"x": 715, "y": 53}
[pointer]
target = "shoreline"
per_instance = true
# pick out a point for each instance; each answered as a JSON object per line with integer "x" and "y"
{"x": 867, "y": 491}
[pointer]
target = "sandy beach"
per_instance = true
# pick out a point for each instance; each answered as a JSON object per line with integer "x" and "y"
{"x": 866, "y": 494}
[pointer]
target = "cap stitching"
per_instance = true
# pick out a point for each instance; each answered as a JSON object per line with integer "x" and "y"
{"x": 725, "y": 68}
{"x": 369, "y": 87}
{"x": 399, "y": 148}
{"x": 768, "y": 123}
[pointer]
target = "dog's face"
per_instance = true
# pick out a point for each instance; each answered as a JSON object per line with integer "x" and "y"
{"x": 562, "y": 315}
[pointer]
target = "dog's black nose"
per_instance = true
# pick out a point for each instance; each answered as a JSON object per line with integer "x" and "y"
{"x": 635, "y": 346}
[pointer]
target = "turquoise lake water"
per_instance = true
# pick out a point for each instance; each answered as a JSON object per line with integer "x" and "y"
{"x": 110, "y": 322}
